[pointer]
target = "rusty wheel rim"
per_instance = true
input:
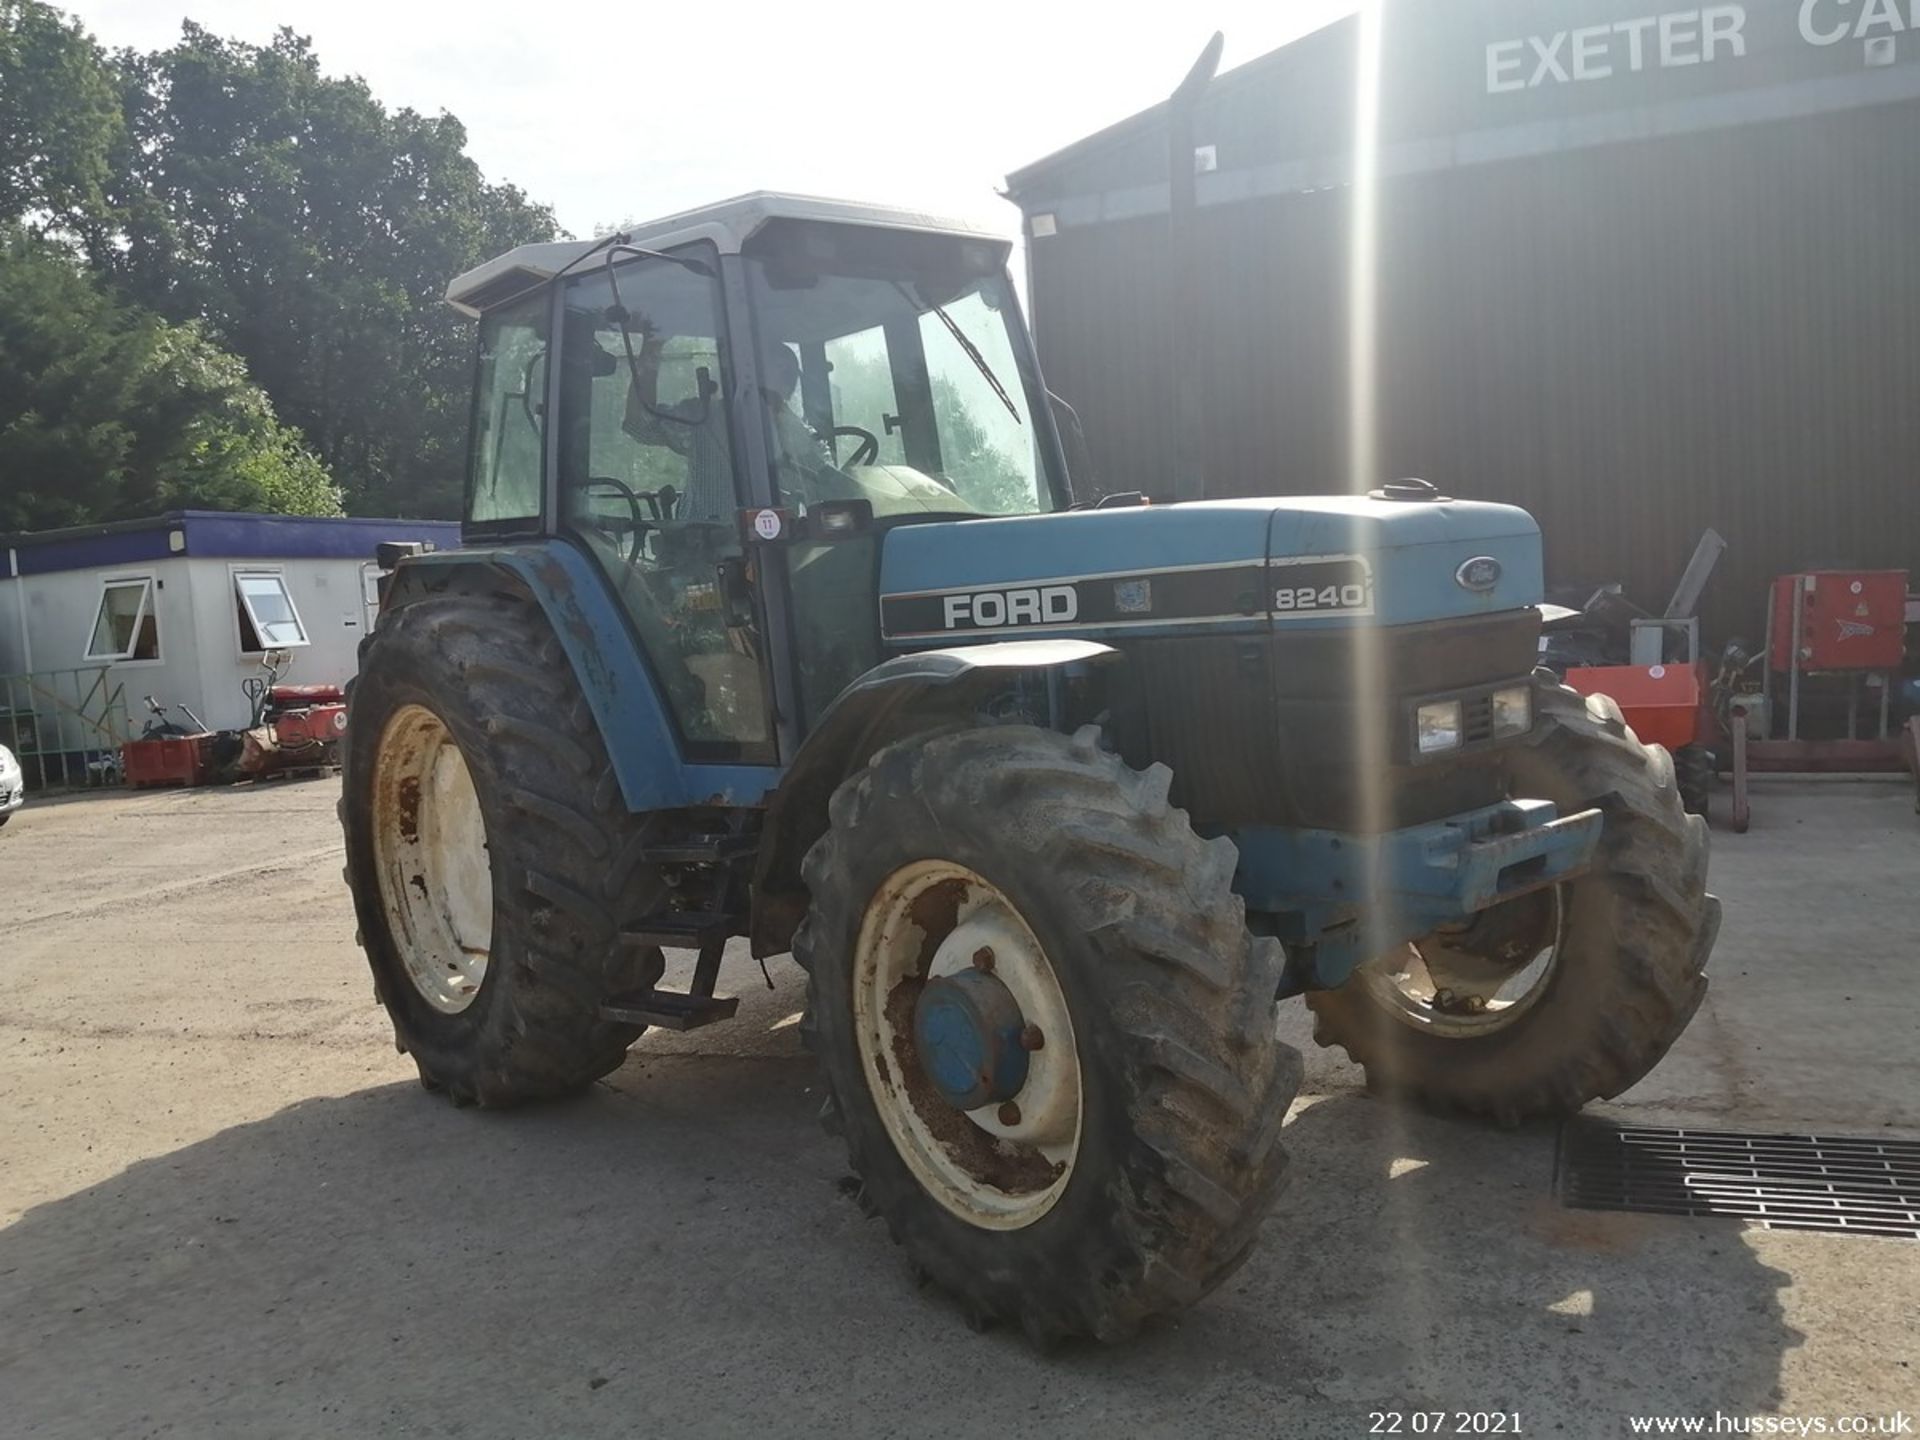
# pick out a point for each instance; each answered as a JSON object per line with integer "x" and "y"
{"x": 1442, "y": 984}
{"x": 430, "y": 854}
{"x": 1000, "y": 1166}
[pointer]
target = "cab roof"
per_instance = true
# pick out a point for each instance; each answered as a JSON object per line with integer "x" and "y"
{"x": 728, "y": 225}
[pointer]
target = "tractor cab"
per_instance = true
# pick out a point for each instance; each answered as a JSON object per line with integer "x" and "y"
{"x": 767, "y": 369}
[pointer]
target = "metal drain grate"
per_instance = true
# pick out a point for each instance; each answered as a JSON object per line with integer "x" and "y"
{"x": 1781, "y": 1182}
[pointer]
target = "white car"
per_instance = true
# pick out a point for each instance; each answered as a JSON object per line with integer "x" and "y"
{"x": 13, "y": 785}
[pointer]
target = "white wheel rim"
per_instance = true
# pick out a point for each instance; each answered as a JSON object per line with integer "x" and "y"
{"x": 1410, "y": 980}
{"x": 430, "y": 853}
{"x": 993, "y": 1175}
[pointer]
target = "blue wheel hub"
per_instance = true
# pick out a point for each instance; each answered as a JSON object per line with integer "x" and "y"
{"x": 966, "y": 1030}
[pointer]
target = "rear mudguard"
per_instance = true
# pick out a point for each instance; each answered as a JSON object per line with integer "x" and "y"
{"x": 908, "y": 695}
{"x": 607, "y": 660}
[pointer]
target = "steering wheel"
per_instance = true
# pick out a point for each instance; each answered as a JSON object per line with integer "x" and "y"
{"x": 869, "y": 450}
{"x": 640, "y": 525}
{"x": 660, "y": 501}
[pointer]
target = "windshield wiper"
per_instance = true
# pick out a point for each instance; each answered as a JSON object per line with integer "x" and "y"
{"x": 973, "y": 354}
{"x": 620, "y": 315}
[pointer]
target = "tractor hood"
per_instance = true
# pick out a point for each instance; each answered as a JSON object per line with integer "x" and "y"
{"x": 1312, "y": 562}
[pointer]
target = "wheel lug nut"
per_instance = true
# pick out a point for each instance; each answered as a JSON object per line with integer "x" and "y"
{"x": 1031, "y": 1038}
{"x": 1009, "y": 1114}
{"x": 983, "y": 958}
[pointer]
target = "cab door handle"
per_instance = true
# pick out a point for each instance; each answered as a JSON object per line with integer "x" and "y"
{"x": 736, "y": 593}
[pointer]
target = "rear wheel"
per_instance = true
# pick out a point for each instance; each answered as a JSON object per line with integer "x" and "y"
{"x": 1566, "y": 995}
{"x": 1048, "y": 1037}
{"x": 491, "y": 857}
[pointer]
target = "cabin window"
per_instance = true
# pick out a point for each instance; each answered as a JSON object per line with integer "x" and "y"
{"x": 509, "y": 415}
{"x": 268, "y": 620}
{"x": 125, "y": 626}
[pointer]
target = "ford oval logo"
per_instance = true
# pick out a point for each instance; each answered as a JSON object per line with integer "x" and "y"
{"x": 1480, "y": 574}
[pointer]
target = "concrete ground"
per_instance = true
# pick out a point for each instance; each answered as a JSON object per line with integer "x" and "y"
{"x": 226, "y": 1207}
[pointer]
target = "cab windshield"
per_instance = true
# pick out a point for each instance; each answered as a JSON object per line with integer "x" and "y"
{"x": 893, "y": 370}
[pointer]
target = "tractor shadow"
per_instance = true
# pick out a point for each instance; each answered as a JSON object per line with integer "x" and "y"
{"x": 673, "y": 1252}
{"x": 1420, "y": 1263}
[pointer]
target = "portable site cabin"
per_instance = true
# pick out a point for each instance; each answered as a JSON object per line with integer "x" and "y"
{"x": 181, "y": 607}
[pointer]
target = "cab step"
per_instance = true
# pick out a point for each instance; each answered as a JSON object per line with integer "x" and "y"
{"x": 668, "y": 1009}
{"x": 700, "y": 850}
{"x": 697, "y": 1005}
{"x": 684, "y": 929}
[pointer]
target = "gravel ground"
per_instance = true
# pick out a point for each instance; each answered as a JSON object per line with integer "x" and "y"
{"x": 227, "y": 1208}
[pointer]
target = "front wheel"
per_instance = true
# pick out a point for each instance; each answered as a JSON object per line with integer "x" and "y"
{"x": 1566, "y": 995}
{"x": 1048, "y": 1037}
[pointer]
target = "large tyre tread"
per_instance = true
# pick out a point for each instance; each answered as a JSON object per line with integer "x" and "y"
{"x": 567, "y": 872}
{"x": 1209, "y": 1083}
{"x": 1653, "y": 858}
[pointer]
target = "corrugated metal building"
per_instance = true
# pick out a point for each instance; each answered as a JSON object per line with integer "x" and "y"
{"x": 1638, "y": 272}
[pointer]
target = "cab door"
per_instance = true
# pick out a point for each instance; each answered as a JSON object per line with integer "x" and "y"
{"x": 647, "y": 486}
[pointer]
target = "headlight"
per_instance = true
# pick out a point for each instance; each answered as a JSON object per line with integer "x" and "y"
{"x": 1512, "y": 711}
{"x": 1436, "y": 726}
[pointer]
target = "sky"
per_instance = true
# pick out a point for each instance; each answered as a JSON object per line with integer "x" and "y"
{"x": 618, "y": 112}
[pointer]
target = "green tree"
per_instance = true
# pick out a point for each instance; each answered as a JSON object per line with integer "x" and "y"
{"x": 983, "y": 474}
{"x": 107, "y": 411}
{"x": 315, "y": 232}
{"x": 60, "y": 121}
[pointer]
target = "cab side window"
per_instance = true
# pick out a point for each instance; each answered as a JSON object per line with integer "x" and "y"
{"x": 509, "y": 414}
{"x": 647, "y": 488}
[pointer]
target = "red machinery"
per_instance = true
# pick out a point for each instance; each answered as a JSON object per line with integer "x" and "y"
{"x": 1823, "y": 625}
{"x": 1848, "y": 620}
{"x": 1837, "y": 622}
{"x": 296, "y": 727}
{"x": 168, "y": 753}
{"x": 1666, "y": 704}
{"x": 167, "y": 760}
{"x": 1663, "y": 703}
{"x": 1666, "y": 701}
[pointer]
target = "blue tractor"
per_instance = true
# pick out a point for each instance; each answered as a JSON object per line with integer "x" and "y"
{"x": 776, "y": 616}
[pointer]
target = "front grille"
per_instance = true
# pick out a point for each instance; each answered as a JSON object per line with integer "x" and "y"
{"x": 1436, "y": 657}
{"x": 1269, "y": 730}
{"x": 1476, "y": 719}
{"x": 1848, "y": 1184}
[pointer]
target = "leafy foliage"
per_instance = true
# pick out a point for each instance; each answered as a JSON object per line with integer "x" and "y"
{"x": 315, "y": 232}
{"x": 984, "y": 474}
{"x": 60, "y": 122}
{"x": 980, "y": 471}
{"x": 107, "y": 411}
{"x": 225, "y": 226}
